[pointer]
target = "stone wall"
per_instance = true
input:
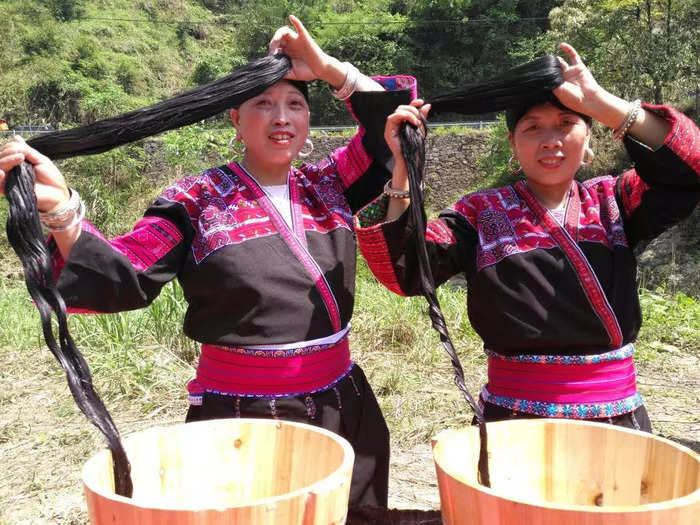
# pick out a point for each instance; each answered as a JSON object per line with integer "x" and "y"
{"x": 451, "y": 164}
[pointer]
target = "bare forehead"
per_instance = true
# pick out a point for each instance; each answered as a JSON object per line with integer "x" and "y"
{"x": 547, "y": 110}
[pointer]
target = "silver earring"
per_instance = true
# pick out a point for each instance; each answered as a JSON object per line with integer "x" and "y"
{"x": 232, "y": 146}
{"x": 587, "y": 161}
{"x": 304, "y": 154}
{"x": 514, "y": 166}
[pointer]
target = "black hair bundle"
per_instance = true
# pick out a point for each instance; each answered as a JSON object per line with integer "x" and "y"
{"x": 522, "y": 85}
{"x": 413, "y": 150}
{"x": 25, "y": 236}
{"x": 202, "y": 102}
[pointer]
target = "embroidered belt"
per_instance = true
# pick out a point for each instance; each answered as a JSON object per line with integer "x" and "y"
{"x": 580, "y": 386}
{"x": 270, "y": 371}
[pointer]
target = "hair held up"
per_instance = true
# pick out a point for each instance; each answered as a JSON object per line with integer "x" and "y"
{"x": 25, "y": 235}
{"x": 515, "y": 91}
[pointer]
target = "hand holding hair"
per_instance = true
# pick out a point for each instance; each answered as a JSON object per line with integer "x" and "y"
{"x": 50, "y": 186}
{"x": 310, "y": 62}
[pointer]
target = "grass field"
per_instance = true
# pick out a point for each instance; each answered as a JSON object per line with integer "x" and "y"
{"x": 141, "y": 362}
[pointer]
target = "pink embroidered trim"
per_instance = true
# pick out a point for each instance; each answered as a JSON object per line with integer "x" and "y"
{"x": 241, "y": 372}
{"x": 599, "y": 382}
{"x": 684, "y": 137}
{"x": 632, "y": 189}
{"x": 297, "y": 246}
{"x": 376, "y": 252}
{"x": 587, "y": 277}
{"x": 351, "y": 160}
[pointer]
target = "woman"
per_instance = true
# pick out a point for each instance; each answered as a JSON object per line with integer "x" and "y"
{"x": 265, "y": 254}
{"x": 549, "y": 261}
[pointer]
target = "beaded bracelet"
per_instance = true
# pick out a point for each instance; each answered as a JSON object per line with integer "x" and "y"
{"x": 65, "y": 217}
{"x": 350, "y": 83}
{"x": 398, "y": 194}
{"x": 630, "y": 119}
{"x": 395, "y": 194}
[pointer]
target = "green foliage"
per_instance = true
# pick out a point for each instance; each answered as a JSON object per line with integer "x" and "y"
{"x": 65, "y": 10}
{"x": 42, "y": 42}
{"x": 636, "y": 48}
{"x": 197, "y": 147}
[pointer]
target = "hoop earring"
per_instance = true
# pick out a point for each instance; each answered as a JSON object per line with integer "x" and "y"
{"x": 304, "y": 154}
{"x": 587, "y": 161}
{"x": 232, "y": 146}
{"x": 514, "y": 166}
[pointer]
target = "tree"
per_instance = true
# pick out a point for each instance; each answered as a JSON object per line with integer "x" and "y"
{"x": 636, "y": 48}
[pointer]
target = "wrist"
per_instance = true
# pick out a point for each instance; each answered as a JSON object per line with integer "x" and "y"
{"x": 608, "y": 109}
{"x": 59, "y": 204}
{"x": 333, "y": 72}
{"x": 65, "y": 217}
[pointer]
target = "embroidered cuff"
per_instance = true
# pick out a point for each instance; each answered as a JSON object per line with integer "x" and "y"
{"x": 684, "y": 137}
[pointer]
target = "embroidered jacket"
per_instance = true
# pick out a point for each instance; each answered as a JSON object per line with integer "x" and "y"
{"x": 534, "y": 287}
{"x": 247, "y": 277}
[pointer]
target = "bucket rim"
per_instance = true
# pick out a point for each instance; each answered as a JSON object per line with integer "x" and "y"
{"x": 682, "y": 501}
{"x": 330, "y": 482}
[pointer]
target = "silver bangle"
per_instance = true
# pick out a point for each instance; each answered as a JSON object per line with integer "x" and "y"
{"x": 65, "y": 217}
{"x": 630, "y": 119}
{"x": 395, "y": 194}
{"x": 349, "y": 84}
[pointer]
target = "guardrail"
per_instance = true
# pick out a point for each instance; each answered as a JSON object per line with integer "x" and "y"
{"x": 478, "y": 124}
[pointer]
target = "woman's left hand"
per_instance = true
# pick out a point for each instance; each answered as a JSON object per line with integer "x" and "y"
{"x": 580, "y": 91}
{"x": 309, "y": 61}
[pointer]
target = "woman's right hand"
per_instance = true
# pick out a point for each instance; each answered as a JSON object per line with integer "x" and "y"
{"x": 410, "y": 113}
{"x": 50, "y": 186}
{"x": 309, "y": 61}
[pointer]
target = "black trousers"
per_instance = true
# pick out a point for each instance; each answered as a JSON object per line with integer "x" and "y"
{"x": 350, "y": 409}
{"x": 638, "y": 419}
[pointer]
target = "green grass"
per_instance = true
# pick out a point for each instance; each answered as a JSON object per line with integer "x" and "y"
{"x": 143, "y": 357}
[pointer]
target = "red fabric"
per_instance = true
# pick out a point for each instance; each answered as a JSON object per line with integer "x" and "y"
{"x": 270, "y": 372}
{"x": 562, "y": 383}
{"x": 632, "y": 190}
{"x": 684, "y": 137}
{"x": 376, "y": 252}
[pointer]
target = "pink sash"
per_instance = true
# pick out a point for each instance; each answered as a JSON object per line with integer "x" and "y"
{"x": 564, "y": 386}
{"x": 269, "y": 372}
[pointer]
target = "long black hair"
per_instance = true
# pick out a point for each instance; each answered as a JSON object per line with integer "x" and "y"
{"x": 514, "y": 91}
{"x": 24, "y": 228}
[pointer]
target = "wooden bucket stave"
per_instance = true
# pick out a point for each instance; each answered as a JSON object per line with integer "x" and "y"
{"x": 228, "y": 471}
{"x": 547, "y": 472}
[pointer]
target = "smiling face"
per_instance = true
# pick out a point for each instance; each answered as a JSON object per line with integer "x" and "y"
{"x": 549, "y": 142}
{"x": 273, "y": 126}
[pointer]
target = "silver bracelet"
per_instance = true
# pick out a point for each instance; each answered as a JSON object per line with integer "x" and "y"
{"x": 395, "y": 194}
{"x": 65, "y": 217}
{"x": 348, "y": 88}
{"x": 630, "y": 119}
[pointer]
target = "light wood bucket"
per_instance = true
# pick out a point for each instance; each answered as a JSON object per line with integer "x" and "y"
{"x": 554, "y": 472}
{"x": 226, "y": 471}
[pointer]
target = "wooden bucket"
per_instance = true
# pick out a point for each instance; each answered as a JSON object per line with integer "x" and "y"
{"x": 226, "y": 471}
{"x": 552, "y": 472}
